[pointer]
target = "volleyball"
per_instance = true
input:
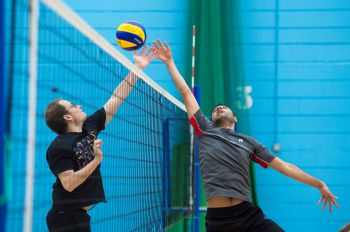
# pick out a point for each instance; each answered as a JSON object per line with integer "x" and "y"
{"x": 131, "y": 36}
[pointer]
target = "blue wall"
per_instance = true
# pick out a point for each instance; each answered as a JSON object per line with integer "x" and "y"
{"x": 297, "y": 60}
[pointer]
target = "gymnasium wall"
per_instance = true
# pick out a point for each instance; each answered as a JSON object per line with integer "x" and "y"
{"x": 297, "y": 61}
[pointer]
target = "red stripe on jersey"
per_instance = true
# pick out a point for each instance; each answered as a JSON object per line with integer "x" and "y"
{"x": 195, "y": 126}
{"x": 263, "y": 163}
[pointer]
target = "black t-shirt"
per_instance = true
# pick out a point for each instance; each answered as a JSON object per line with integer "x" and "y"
{"x": 73, "y": 151}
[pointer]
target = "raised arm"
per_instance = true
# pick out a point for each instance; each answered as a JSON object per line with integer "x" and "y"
{"x": 294, "y": 172}
{"x": 125, "y": 87}
{"x": 164, "y": 54}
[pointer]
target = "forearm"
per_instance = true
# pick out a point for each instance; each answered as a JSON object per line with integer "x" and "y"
{"x": 190, "y": 101}
{"x": 124, "y": 88}
{"x": 119, "y": 95}
{"x": 177, "y": 78}
{"x": 301, "y": 176}
{"x": 79, "y": 177}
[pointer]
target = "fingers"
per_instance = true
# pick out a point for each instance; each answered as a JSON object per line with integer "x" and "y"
{"x": 330, "y": 201}
{"x": 319, "y": 201}
{"x": 166, "y": 45}
{"x": 335, "y": 203}
{"x": 149, "y": 50}
{"x": 155, "y": 45}
{"x": 160, "y": 43}
{"x": 143, "y": 49}
{"x": 153, "y": 56}
{"x": 98, "y": 142}
{"x": 154, "y": 51}
{"x": 324, "y": 205}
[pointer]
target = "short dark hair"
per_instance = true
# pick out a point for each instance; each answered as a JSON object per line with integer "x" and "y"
{"x": 54, "y": 117}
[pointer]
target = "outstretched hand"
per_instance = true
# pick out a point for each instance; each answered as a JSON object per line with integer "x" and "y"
{"x": 327, "y": 198}
{"x": 143, "y": 59}
{"x": 162, "y": 51}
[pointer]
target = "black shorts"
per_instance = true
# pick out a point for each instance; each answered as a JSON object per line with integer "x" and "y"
{"x": 243, "y": 217}
{"x": 68, "y": 221}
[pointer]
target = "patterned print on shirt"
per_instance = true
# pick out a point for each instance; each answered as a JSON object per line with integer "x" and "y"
{"x": 84, "y": 150}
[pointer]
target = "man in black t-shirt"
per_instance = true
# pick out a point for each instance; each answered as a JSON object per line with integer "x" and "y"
{"x": 225, "y": 156}
{"x": 75, "y": 155}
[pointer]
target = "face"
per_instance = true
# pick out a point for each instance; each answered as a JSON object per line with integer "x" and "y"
{"x": 74, "y": 112}
{"x": 223, "y": 116}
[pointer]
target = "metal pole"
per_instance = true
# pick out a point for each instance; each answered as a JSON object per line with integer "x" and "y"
{"x": 197, "y": 173}
{"x": 32, "y": 108}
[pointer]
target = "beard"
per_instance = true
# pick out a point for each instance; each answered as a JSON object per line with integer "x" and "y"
{"x": 80, "y": 118}
{"x": 224, "y": 121}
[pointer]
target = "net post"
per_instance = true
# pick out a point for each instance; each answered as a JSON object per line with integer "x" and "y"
{"x": 32, "y": 108}
{"x": 196, "y": 173}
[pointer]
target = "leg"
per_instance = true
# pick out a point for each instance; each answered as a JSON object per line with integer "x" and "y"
{"x": 58, "y": 221}
{"x": 259, "y": 222}
{"x": 83, "y": 220}
{"x": 270, "y": 226}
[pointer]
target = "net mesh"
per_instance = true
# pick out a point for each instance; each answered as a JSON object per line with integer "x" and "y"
{"x": 146, "y": 165}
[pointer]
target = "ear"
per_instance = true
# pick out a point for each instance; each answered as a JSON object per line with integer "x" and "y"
{"x": 67, "y": 117}
{"x": 235, "y": 119}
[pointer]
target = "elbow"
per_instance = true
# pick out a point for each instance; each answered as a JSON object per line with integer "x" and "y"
{"x": 282, "y": 167}
{"x": 185, "y": 91}
{"x": 69, "y": 189}
{"x": 68, "y": 186}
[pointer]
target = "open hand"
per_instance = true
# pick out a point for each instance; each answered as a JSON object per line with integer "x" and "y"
{"x": 327, "y": 198}
{"x": 143, "y": 59}
{"x": 163, "y": 52}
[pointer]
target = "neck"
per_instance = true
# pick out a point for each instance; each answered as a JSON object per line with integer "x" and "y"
{"x": 224, "y": 123}
{"x": 74, "y": 128}
{"x": 232, "y": 127}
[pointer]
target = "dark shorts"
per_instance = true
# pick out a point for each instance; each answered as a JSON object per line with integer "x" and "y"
{"x": 68, "y": 221}
{"x": 239, "y": 218}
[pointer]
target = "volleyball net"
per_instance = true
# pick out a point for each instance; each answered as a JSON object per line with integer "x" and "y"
{"x": 147, "y": 167}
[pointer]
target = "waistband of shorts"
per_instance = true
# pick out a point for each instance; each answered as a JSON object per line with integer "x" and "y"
{"x": 68, "y": 210}
{"x": 225, "y": 211}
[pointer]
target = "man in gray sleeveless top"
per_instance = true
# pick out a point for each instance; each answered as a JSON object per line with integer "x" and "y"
{"x": 225, "y": 157}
